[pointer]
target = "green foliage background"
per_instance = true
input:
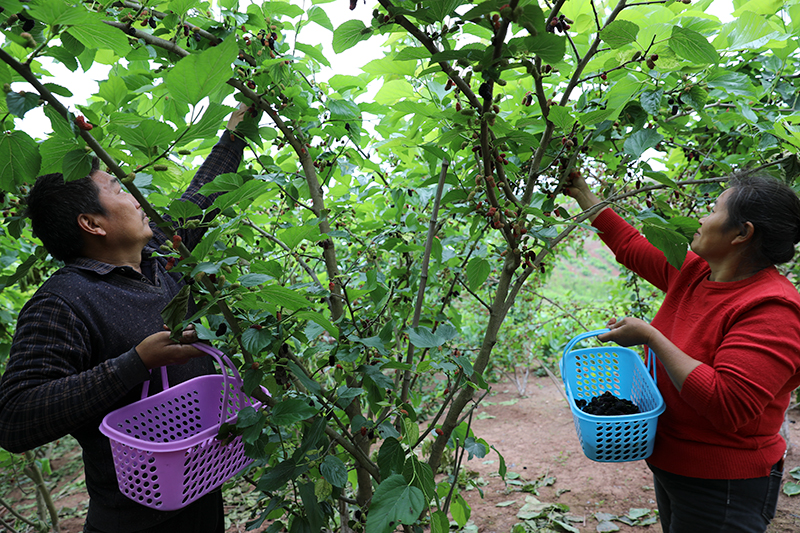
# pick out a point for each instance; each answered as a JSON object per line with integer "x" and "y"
{"x": 375, "y": 239}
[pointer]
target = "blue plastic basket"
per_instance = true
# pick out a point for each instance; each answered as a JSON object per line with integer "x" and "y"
{"x": 589, "y": 372}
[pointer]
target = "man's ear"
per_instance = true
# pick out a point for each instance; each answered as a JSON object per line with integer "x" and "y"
{"x": 91, "y": 224}
{"x": 745, "y": 234}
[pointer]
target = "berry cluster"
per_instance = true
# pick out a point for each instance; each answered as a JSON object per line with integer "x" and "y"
{"x": 560, "y": 24}
{"x": 607, "y": 405}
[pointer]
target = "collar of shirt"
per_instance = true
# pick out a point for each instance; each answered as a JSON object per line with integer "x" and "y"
{"x": 103, "y": 269}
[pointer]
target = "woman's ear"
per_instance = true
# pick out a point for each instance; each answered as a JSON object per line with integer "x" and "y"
{"x": 745, "y": 234}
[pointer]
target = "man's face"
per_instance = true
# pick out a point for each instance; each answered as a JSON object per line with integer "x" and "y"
{"x": 124, "y": 221}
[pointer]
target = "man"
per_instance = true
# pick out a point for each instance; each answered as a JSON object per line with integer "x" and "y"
{"x": 87, "y": 339}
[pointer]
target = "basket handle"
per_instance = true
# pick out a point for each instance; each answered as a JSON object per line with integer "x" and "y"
{"x": 164, "y": 382}
{"x": 224, "y": 363}
{"x": 649, "y": 355}
{"x": 575, "y": 340}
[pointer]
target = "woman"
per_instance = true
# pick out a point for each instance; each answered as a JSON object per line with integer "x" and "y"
{"x": 727, "y": 339}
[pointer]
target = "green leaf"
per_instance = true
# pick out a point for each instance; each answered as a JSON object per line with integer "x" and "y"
{"x": 19, "y": 104}
{"x": 247, "y": 417}
{"x": 176, "y": 310}
{"x": 391, "y": 457}
{"x": 439, "y": 522}
{"x": 420, "y": 474}
{"x": 312, "y": 386}
{"x": 252, "y": 280}
{"x": 244, "y": 195}
{"x": 318, "y": 319}
{"x": 114, "y": 92}
{"x": 751, "y": 31}
{"x": 422, "y": 337}
{"x": 596, "y": 117}
{"x": 691, "y": 45}
{"x": 61, "y": 127}
{"x": 95, "y": 35}
{"x": 317, "y": 15}
{"x": 439, "y": 9}
{"x": 478, "y": 270}
{"x": 651, "y": 101}
{"x": 19, "y": 159}
{"x": 200, "y": 75}
{"x": 642, "y": 140}
{"x": 334, "y": 471}
{"x": 791, "y": 488}
{"x": 255, "y": 340}
{"x": 208, "y": 126}
{"x": 148, "y": 136}
{"x": 549, "y": 47}
{"x": 311, "y": 508}
{"x": 53, "y": 151}
{"x": 58, "y": 89}
{"x": 561, "y": 117}
{"x": 291, "y": 410}
{"x": 281, "y": 296}
{"x": 671, "y": 243}
{"x": 279, "y": 476}
{"x": 58, "y": 12}
{"x": 395, "y": 502}
{"x": 349, "y": 34}
{"x": 223, "y": 183}
{"x": 294, "y": 235}
{"x": 411, "y": 53}
{"x": 696, "y": 97}
{"x": 277, "y": 7}
{"x": 619, "y": 33}
{"x": 314, "y": 53}
{"x": 252, "y": 379}
{"x": 182, "y": 6}
{"x": 77, "y": 164}
{"x": 502, "y": 469}
{"x": 460, "y": 510}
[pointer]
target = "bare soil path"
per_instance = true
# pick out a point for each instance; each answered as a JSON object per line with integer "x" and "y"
{"x": 537, "y": 438}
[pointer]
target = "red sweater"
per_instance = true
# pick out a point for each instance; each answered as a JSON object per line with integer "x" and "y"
{"x": 724, "y": 423}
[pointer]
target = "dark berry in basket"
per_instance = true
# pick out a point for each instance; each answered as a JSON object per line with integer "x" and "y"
{"x": 607, "y": 405}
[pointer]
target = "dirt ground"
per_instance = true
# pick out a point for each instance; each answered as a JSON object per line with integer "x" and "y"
{"x": 536, "y": 436}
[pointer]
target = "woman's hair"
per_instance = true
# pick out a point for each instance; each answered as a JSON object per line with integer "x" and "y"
{"x": 54, "y": 206}
{"x": 774, "y": 210}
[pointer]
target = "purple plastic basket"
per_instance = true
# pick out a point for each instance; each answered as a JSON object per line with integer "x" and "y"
{"x": 165, "y": 449}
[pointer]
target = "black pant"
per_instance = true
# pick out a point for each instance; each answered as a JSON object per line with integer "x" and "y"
{"x": 205, "y": 515}
{"x": 687, "y": 505}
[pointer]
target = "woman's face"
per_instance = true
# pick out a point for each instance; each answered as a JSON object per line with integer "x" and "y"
{"x": 713, "y": 239}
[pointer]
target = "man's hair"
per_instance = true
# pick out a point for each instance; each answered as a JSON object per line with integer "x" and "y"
{"x": 54, "y": 206}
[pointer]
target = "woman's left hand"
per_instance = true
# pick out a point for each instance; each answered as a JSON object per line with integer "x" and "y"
{"x": 628, "y": 332}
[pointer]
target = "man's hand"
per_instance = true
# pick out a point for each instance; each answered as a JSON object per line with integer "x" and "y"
{"x": 160, "y": 350}
{"x": 237, "y": 116}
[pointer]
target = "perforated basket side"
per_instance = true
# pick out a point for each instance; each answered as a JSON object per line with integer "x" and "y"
{"x": 208, "y": 465}
{"x": 614, "y": 441}
{"x": 143, "y": 476}
{"x": 172, "y": 419}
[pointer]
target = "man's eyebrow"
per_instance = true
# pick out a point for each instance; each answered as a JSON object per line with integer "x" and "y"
{"x": 115, "y": 181}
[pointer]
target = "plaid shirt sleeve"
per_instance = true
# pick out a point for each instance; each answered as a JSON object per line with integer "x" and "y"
{"x": 49, "y": 388}
{"x": 224, "y": 158}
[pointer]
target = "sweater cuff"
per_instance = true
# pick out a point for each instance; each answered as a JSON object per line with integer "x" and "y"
{"x": 130, "y": 369}
{"x": 697, "y": 387}
{"x": 232, "y": 141}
